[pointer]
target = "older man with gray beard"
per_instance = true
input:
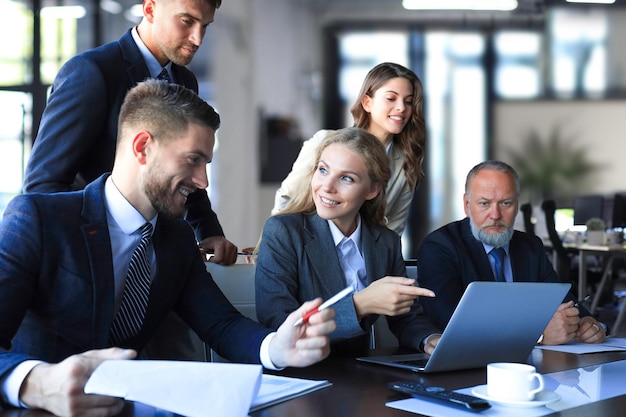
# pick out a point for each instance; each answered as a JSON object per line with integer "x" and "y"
{"x": 484, "y": 247}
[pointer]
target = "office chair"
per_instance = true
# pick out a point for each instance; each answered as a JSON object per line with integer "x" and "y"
{"x": 563, "y": 264}
{"x": 527, "y": 212}
{"x": 566, "y": 264}
{"x": 237, "y": 283}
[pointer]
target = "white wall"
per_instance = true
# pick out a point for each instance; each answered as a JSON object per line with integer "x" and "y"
{"x": 599, "y": 126}
{"x": 266, "y": 53}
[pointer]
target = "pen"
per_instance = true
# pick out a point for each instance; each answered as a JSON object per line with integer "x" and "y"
{"x": 581, "y": 301}
{"x": 332, "y": 300}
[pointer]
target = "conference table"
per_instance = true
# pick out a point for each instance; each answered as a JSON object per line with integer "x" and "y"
{"x": 360, "y": 389}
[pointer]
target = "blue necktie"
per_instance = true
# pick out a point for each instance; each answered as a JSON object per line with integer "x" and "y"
{"x": 129, "y": 318}
{"x": 498, "y": 254}
{"x": 164, "y": 75}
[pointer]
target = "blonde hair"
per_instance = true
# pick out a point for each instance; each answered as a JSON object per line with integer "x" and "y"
{"x": 412, "y": 139}
{"x": 372, "y": 151}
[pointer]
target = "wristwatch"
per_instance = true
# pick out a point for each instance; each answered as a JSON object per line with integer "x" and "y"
{"x": 540, "y": 341}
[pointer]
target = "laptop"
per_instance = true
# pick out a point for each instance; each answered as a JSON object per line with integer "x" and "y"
{"x": 493, "y": 322}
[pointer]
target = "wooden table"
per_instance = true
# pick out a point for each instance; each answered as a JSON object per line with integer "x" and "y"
{"x": 360, "y": 389}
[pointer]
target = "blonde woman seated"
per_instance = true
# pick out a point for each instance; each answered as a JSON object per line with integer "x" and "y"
{"x": 332, "y": 235}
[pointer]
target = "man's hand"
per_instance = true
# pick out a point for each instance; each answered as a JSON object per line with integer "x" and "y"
{"x": 59, "y": 388}
{"x": 389, "y": 296}
{"x": 563, "y": 325}
{"x": 307, "y": 343}
{"x": 590, "y": 331}
{"x": 431, "y": 343}
{"x": 219, "y": 250}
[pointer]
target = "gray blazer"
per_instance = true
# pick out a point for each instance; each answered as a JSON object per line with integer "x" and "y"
{"x": 298, "y": 262}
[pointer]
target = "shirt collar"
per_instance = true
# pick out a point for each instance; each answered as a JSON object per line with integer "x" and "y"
{"x": 489, "y": 248}
{"x": 153, "y": 65}
{"x": 388, "y": 148}
{"x": 121, "y": 211}
{"x": 338, "y": 235}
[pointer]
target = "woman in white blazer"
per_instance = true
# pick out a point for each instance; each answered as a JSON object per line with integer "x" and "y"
{"x": 389, "y": 106}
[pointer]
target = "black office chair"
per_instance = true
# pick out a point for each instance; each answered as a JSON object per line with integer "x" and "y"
{"x": 566, "y": 260}
{"x": 527, "y": 213}
{"x": 563, "y": 265}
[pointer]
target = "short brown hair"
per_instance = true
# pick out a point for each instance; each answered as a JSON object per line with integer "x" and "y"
{"x": 166, "y": 108}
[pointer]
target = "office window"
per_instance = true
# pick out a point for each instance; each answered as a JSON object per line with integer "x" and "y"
{"x": 455, "y": 106}
{"x": 15, "y": 108}
{"x": 58, "y": 37}
{"x": 517, "y": 73}
{"x": 578, "y": 45}
{"x": 16, "y": 30}
{"x": 359, "y": 53}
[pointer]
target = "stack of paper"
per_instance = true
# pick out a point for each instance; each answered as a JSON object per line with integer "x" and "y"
{"x": 196, "y": 388}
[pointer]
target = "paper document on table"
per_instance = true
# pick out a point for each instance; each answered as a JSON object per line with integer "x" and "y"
{"x": 611, "y": 344}
{"x": 189, "y": 388}
{"x": 275, "y": 389}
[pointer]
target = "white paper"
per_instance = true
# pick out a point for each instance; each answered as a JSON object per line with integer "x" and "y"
{"x": 610, "y": 344}
{"x": 417, "y": 406}
{"x": 276, "y": 389}
{"x": 189, "y": 388}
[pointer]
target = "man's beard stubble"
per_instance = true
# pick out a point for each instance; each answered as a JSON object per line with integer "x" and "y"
{"x": 496, "y": 240}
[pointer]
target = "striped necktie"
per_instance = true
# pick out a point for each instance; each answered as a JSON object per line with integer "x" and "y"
{"x": 129, "y": 318}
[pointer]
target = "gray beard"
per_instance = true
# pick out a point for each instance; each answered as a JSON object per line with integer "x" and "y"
{"x": 497, "y": 241}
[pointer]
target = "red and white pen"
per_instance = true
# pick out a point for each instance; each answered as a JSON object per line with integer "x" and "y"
{"x": 332, "y": 300}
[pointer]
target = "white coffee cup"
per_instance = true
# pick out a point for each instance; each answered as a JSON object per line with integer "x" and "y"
{"x": 513, "y": 381}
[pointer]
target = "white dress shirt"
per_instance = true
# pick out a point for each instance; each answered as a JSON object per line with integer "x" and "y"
{"x": 353, "y": 266}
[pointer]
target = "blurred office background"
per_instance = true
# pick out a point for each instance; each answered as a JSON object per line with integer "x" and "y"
{"x": 542, "y": 86}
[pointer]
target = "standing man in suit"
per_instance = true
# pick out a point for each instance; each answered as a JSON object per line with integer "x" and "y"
{"x": 64, "y": 259}
{"x": 78, "y": 131}
{"x": 459, "y": 253}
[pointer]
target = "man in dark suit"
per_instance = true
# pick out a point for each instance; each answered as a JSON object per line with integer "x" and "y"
{"x": 459, "y": 253}
{"x": 64, "y": 259}
{"x": 78, "y": 131}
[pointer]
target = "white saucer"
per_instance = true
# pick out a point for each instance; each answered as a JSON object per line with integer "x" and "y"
{"x": 541, "y": 398}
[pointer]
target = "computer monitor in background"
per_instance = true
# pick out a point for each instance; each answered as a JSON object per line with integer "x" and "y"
{"x": 563, "y": 219}
{"x": 588, "y": 206}
{"x": 619, "y": 211}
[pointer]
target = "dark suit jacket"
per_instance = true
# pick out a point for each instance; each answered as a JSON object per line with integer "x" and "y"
{"x": 450, "y": 258}
{"x": 57, "y": 285}
{"x": 298, "y": 262}
{"x": 78, "y": 131}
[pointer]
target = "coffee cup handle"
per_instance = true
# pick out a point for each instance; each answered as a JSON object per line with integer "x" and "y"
{"x": 539, "y": 378}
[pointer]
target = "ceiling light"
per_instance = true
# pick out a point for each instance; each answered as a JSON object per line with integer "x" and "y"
{"x": 63, "y": 12}
{"x": 592, "y": 1}
{"x": 505, "y": 5}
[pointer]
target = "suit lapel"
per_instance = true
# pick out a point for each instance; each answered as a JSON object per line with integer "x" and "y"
{"x": 96, "y": 234}
{"x": 371, "y": 249}
{"x": 477, "y": 253}
{"x": 319, "y": 245}
{"x": 135, "y": 65}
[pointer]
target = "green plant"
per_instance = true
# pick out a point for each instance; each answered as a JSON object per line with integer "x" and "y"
{"x": 552, "y": 167}
{"x": 595, "y": 223}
